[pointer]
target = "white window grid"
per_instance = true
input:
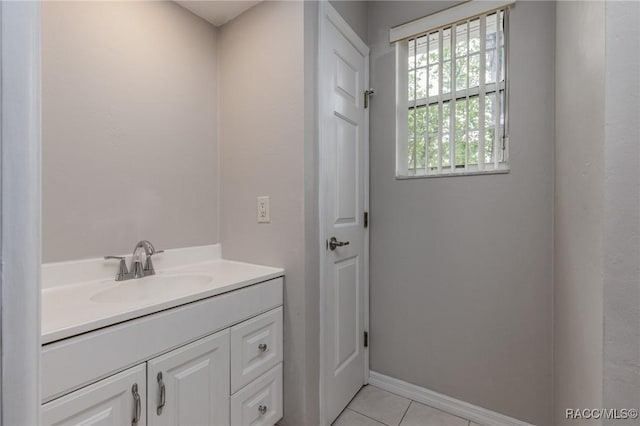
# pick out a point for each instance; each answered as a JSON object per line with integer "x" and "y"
{"x": 441, "y": 138}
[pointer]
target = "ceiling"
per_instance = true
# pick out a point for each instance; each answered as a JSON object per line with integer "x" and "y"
{"x": 218, "y": 12}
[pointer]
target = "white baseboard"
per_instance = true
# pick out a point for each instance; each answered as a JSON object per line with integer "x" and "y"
{"x": 442, "y": 402}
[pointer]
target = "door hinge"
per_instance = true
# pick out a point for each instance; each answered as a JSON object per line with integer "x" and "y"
{"x": 366, "y": 219}
{"x": 366, "y": 339}
{"x": 367, "y": 95}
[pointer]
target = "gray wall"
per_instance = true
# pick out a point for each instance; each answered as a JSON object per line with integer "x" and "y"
{"x": 621, "y": 207}
{"x": 461, "y": 267}
{"x": 578, "y": 309}
{"x": 129, "y": 111}
{"x": 356, "y": 15}
{"x": 264, "y": 136}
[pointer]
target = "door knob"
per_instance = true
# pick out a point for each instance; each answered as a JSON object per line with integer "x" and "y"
{"x": 333, "y": 243}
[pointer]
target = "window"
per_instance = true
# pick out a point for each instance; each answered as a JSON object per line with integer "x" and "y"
{"x": 452, "y": 98}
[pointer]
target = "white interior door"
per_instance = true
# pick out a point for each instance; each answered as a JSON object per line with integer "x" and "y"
{"x": 343, "y": 75}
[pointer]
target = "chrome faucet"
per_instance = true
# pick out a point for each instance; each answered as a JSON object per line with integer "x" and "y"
{"x": 137, "y": 269}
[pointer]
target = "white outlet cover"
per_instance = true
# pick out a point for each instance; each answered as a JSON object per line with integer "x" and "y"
{"x": 263, "y": 210}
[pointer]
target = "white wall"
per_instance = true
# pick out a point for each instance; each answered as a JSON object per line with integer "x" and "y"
{"x": 580, "y": 88}
{"x": 266, "y": 149}
{"x": 461, "y": 267}
{"x": 597, "y": 302}
{"x": 622, "y": 207}
{"x": 129, "y": 107}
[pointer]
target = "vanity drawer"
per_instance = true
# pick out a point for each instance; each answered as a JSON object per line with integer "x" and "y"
{"x": 260, "y": 402}
{"x": 256, "y": 346}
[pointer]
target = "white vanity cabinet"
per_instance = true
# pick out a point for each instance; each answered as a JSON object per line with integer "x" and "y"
{"x": 217, "y": 362}
{"x": 260, "y": 402}
{"x": 116, "y": 400}
{"x": 190, "y": 385}
{"x": 255, "y": 347}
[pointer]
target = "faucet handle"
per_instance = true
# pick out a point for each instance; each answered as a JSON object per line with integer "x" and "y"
{"x": 123, "y": 272}
{"x": 148, "y": 266}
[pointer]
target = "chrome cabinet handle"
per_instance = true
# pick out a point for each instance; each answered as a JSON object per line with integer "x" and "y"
{"x": 163, "y": 392}
{"x": 333, "y": 243}
{"x": 262, "y": 347}
{"x": 262, "y": 409}
{"x": 137, "y": 411}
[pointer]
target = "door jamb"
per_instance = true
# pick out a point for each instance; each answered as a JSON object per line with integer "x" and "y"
{"x": 20, "y": 205}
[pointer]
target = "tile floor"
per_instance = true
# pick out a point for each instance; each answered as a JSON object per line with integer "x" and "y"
{"x": 375, "y": 407}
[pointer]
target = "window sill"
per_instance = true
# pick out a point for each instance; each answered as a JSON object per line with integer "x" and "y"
{"x": 501, "y": 171}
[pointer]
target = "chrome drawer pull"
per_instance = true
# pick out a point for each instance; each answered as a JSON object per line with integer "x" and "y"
{"x": 163, "y": 392}
{"x": 137, "y": 410}
{"x": 262, "y": 409}
{"x": 262, "y": 347}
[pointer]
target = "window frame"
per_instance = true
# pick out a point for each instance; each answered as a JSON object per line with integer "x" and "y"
{"x": 403, "y": 105}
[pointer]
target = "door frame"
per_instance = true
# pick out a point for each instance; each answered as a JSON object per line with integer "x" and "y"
{"x": 325, "y": 9}
{"x": 20, "y": 191}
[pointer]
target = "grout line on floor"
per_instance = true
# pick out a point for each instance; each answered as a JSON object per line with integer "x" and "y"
{"x": 392, "y": 393}
{"x": 411, "y": 401}
{"x": 370, "y": 418}
{"x": 406, "y": 411}
{"x": 349, "y": 408}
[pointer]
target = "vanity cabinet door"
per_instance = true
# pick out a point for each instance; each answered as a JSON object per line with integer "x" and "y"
{"x": 115, "y": 401}
{"x": 189, "y": 386}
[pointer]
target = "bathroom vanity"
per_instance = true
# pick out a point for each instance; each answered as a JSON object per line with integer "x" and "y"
{"x": 199, "y": 343}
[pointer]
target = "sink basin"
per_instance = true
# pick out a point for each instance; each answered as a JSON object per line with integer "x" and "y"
{"x": 153, "y": 288}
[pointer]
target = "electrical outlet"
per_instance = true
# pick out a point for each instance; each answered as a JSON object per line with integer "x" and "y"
{"x": 264, "y": 215}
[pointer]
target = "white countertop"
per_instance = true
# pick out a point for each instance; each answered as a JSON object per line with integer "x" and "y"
{"x": 68, "y": 309}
